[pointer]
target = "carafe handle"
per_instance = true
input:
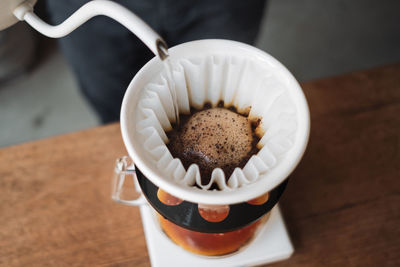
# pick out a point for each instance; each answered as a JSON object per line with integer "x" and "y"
{"x": 122, "y": 170}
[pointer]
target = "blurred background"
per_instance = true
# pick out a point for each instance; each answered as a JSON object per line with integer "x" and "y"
{"x": 39, "y": 95}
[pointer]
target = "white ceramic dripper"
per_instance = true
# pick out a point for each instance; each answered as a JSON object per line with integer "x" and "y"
{"x": 195, "y": 60}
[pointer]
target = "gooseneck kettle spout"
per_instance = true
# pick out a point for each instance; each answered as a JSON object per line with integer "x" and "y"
{"x": 137, "y": 26}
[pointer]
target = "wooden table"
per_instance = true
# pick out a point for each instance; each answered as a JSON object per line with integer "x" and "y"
{"x": 342, "y": 205}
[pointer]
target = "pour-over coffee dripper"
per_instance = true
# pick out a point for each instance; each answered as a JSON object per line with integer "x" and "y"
{"x": 207, "y": 221}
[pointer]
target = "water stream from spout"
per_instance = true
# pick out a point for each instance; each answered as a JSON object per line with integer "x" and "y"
{"x": 172, "y": 88}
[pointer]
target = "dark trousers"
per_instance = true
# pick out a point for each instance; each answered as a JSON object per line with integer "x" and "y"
{"x": 105, "y": 56}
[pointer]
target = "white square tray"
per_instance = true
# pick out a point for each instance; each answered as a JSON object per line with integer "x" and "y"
{"x": 271, "y": 244}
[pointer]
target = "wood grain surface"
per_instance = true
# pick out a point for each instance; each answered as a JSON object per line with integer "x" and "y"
{"x": 342, "y": 204}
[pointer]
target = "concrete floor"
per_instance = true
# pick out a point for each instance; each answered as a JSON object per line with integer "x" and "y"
{"x": 314, "y": 39}
{"x": 42, "y": 103}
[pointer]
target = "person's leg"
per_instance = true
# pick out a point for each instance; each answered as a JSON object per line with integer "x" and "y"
{"x": 103, "y": 54}
{"x": 237, "y": 20}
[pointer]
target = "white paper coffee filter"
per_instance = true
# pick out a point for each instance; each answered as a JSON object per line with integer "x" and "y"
{"x": 238, "y": 81}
